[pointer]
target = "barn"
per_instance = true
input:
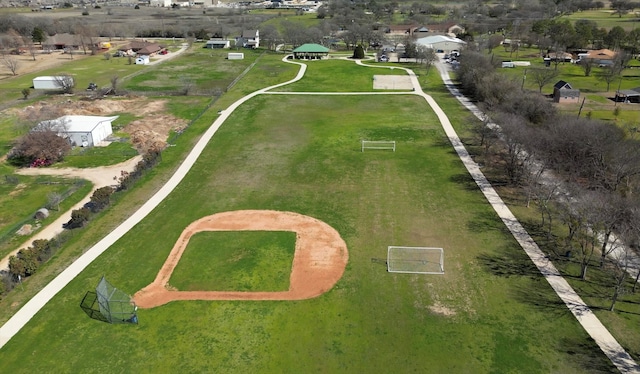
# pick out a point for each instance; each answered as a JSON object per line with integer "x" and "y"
{"x": 81, "y": 131}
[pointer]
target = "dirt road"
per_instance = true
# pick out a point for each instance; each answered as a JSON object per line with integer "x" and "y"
{"x": 99, "y": 177}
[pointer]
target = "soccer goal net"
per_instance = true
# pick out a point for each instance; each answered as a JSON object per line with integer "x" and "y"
{"x": 115, "y": 305}
{"x": 379, "y": 144}
{"x": 415, "y": 260}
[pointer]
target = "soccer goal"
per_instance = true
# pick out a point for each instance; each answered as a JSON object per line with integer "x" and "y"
{"x": 115, "y": 305}
{"x": 415, "y": 260}
{"x": 379, "y": 144}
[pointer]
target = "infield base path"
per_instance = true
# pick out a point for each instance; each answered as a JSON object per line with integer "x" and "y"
{"x": 319, "y": 259}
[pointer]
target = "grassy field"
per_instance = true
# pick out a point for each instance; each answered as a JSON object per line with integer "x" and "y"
{"x": 236, "y": 261}
{"x": 599, "y": 100}
{"x": 490, "y": 312}
{"x": 606, "y": 19}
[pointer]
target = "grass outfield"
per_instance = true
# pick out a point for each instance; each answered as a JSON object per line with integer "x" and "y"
{"x": 236, "y": 261}
{"x": 490, "y": 312}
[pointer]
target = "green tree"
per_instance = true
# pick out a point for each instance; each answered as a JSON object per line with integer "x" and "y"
{"x": 615, "y": 38}
{"x": 358, "y": 52}
{"x": 38, "y": 35}
{"x": 101, "y": 198}
{"x": 78, "y": 218}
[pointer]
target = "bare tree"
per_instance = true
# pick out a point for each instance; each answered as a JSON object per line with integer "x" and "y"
{"x": 11, "y": 63}
{"x": 587, "y": 65}
{"x": 65, "y": 82}
{"x": 542, "y": 77}
{"x": 53, "y": 200}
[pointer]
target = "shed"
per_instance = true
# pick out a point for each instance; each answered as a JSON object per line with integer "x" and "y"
{"x": 50, "y": 82}
{"x": 217, "y": 43}
{"x": 142, "y": 60}
{"x": 311, "y": 51}
{"x": 41, "y": 214}
{"x": 235, "y": 56}
{"x": 82, "y": 131}
{"x": 564, "y": 93}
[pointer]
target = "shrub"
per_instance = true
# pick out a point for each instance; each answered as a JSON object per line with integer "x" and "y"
{"x": 78, "y": 218}
{"x": 25, "y": 93}
{"x": 85, "y": 12}
{"x": 358, "y": 53}
{"x": 101, "y": 198}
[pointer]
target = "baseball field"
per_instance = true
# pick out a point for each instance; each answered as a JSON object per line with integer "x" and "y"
{"x": 490, "y": 312}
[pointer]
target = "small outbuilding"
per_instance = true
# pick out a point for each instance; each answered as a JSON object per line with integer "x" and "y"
{"x": 217, "y": 43}
{"x": 311, "y": 51}
{"x": 52, "y": 82}
{"x": 81, "y": 131}
{"x": 142, "y": 60}
{"x": 564, "y": 93}
{"x": 41, "y": 214}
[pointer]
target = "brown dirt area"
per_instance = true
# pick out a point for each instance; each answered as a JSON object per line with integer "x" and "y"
{"x": 319, "y": 260}
{"x": 149, "y": 131}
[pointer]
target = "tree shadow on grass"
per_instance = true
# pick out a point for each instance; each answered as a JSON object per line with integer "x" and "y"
{"x": 587, "y": 353}
{"x": 90, "y": 306}
{"x": 487, "y": 221}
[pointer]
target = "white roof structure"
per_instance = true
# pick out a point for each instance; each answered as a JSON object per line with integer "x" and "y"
{"x": 85, "y": 131}
{"x": 437, "y": 39}
{"x": 80, "y": 123}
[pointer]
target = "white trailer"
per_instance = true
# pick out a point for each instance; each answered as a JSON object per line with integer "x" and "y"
{"x": 235, "y": 56}
{"x": 51, "y": 82}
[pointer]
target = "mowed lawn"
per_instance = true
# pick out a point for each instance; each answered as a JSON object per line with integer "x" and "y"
{"x": 490, "y": 312}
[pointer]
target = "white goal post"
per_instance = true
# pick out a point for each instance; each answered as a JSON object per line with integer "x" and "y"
{"x": 379, "y": 144}
{"x": 415, "y": 260}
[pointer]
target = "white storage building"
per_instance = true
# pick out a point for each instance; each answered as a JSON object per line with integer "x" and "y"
{"x": 50, "y": 82}
{"x": 442, "y": 43}
{"x": 81, "y": 131}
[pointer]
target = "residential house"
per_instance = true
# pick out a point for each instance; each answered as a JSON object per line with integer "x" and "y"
{"x": 447, "y": 28}
{"x": 401, "y": 30}
{"x": 137, "y": 47}
{"x": 249, "y": 39}
{"x": 64, "y": 41}
{"x": 564, "y": 93}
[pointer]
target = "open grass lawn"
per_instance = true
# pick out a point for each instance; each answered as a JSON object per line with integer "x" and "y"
{"x": 490, "y": 312}
{"x": 605, "y": 18}
{"x": 338, "y": 76}
{"x": 112, "y": 154}
{"x": 236, "y": 261}
{"x": 84, "y": 70}
{"x": 20, "y": 201}
{"x": 206, "y": 69}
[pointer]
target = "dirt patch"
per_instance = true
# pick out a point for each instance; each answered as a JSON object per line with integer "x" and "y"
{"x": 392, "y": 82}
{"x": 149, "y": 131}
{"x": 319, "y": 260}
{"x": 442, "y": 310}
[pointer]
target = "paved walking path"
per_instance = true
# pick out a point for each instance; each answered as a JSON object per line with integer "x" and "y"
{"x": 620, "y": 358}
{"x": 22, "y": 316}
{"x": 585, "y": 316}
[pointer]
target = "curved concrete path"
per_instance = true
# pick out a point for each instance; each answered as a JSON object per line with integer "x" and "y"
{"x": 28, "y": 310}
{"x": 585, "y": 316}
{"x": 607, "y": 343}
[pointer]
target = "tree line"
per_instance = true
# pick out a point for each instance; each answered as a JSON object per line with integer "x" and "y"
{"x": 580, "y": 172}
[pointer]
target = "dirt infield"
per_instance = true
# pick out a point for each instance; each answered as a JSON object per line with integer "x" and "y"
{"x": 392, "y": 82}
{"x": 318, "y": 263}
